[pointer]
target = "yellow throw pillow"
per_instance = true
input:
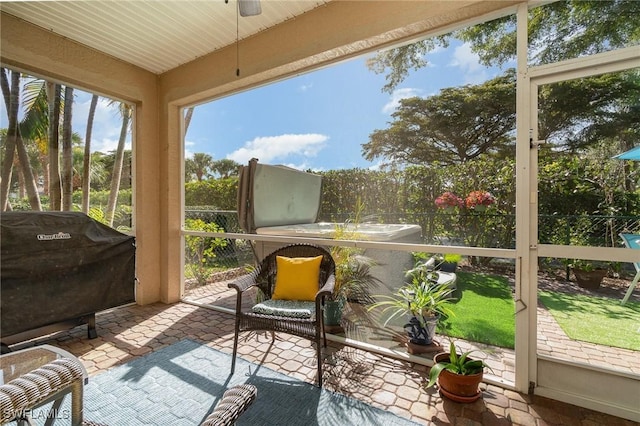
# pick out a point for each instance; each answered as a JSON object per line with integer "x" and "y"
{"x": 297, "y": 278}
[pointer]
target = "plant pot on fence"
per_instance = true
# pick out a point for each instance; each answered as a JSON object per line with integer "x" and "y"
{"x": 333, "y": 310}
{"x": 458, "y": 387}
{"x": 448, "y": 266}
{"x": 589, "y": 280}
{"x": 421, "y": 333}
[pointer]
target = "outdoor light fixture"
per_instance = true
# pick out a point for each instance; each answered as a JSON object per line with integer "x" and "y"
{"x": 246, "y": 8}
{"x": 249, "y": 7}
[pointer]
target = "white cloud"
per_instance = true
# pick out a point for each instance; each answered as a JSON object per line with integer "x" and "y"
{"x": 469, "y": 64}
{"x": 279, "y": 148}
{"x": 305, "y": 87}
{"x": 105, "y": 145}
{"x": 396, "y": 96}
{"x": 187, "y": 151}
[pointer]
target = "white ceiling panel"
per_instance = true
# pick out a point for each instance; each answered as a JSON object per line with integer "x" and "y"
{"x": 156, "y": 35}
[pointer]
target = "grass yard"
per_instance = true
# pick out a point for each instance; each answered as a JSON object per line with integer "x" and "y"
{"x": 595, "y": 319}
{"x": 484, "y": 310}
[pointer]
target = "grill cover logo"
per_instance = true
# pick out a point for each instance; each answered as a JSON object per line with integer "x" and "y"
{"x": 58, "y": 236}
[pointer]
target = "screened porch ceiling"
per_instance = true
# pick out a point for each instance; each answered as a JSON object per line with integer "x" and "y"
{"x": 155, "y": 35}
{"x": 160, "y": 35}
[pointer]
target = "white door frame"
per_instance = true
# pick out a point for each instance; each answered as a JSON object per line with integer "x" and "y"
{"x": 605, "y": 390}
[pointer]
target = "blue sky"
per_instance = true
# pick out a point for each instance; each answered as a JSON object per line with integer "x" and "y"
{"x": 317, "y": 120}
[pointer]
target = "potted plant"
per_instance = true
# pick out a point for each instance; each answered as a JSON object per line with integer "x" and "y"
{"x": 449, "y": 262}
{"x": 479, "y": 200}
{"x": 449, "y": 202}
{"x": 354, "y": 283}
{"x": 354, "y": 277}
{"x": 458, "y": 375}
{"x": 422, "y": 299}
{"x": 589, "y": 274}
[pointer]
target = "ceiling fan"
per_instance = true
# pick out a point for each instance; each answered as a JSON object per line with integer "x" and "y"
{"x": 248, "y": 7}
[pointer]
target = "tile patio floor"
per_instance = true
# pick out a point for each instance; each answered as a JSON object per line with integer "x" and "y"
{"x": 133, "y": 331}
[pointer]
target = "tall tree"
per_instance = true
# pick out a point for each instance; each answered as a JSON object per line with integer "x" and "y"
{"x": 29, "y": 180}
{"x": 452, "y": 127}
{"x": 557, "y": 31}
{"x": 12, "y": 102}
{"x": 187, "y": 118}
{"x": 224, "y": 168}
{"x": 55, "y": 188}
{"x": 125, "y": 112}
{"x": 198, "y": 166}
{"x": 67, "y": 152}
{"x": 34, "y": 128}
{"x": 86, "y": 162}
{"x": 575, "y": 114}
{"x": 16, "y": 142}
{"x": 459, "y": 124}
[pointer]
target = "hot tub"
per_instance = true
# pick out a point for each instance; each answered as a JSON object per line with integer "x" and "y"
{"x": 280, "y": 201}
{"x": 391, "y": 264}
{"x": 396, "y": 232}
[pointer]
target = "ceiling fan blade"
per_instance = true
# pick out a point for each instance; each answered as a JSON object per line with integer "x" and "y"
{"x": 249, "y": 7}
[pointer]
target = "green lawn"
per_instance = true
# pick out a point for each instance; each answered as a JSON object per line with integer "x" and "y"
{"x": 595, "y": 319}
{"x": 484, "y": 313}
{"x": 484, "y": 310}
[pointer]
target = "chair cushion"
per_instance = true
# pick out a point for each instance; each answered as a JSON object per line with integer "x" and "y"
{"x": 297, "y": 278}
{"x": 286, "y": 308}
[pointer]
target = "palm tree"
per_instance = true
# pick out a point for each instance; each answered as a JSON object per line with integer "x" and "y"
{"x": 187, "y": 118}
{"x": 14, "y": 141}
{"x": 200, "y": 166}
{"x": 125, "y": 111}
{"x": 12, "y": 102}
{"x": 86, "y": 163}
{"x": 67, "y": 152}
{"x": 34, "y": 127}
{"x": 225, "y": 167}
{"x": 55, "y": 189}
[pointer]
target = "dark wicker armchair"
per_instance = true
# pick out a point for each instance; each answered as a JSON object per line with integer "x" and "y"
{"x": 310, "y": 325}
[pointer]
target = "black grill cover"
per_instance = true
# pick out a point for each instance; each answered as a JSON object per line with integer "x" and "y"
{"x": 57, "y": 266}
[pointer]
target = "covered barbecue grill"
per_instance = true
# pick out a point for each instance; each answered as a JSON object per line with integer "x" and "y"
{"x": 57, "y": 270}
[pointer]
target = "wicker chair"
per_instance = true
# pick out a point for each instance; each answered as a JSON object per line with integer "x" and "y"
{"x": 264, "y": 277}
{"x": 234, "y": 402}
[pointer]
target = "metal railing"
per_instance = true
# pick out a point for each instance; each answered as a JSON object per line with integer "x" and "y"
{"x": 208, "y": 256}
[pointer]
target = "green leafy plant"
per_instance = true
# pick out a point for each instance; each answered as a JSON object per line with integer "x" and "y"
{"x": 199, "y": 250}
{"x": 458, "y": 364}
{"x": 354, "y": 277}
{"x": 452, "y": 258}
{"x": 422, "y": 297}
{"x": 587, "y": 265}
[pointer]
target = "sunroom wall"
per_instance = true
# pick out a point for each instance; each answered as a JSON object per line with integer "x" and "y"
{"x": 41, "y": 53}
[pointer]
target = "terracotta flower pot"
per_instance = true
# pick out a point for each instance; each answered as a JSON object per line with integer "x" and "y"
{"x": 458, "y": 387}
